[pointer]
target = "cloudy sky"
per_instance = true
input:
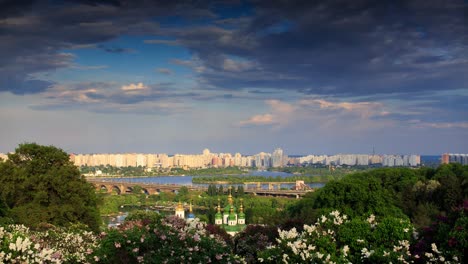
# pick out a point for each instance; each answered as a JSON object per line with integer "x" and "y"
{"x": 312, "y": 77}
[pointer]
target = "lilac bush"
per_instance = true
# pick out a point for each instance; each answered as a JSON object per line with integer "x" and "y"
{"x": 171, "y": 240}
{"x": 335, "y": 238}
{"x": 19, "y": 244}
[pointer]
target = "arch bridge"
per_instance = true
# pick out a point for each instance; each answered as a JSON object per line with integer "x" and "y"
{"x": 110, "y": 186}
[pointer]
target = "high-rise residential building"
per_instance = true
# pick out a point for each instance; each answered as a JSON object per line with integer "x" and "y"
{"x": 414, "y": 160}
{"x": 362, "y": 160}
{"x": 445, "y": 158}
{"x": 375, "y": 159}
{"x": 277, "y": 158}
{"x": 455, "y": 158}
{"x": 347, "y": 159}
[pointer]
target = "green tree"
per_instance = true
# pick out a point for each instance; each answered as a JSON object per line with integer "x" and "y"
{"x": 137, "y": 189}
{"x": 240, "y": 191}
{"x": 40, "y": 184}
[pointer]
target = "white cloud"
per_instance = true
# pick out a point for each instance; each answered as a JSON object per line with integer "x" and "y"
{"x": 265, "y": 119}
{"x": 237, "y": 66}
{"x": 439, "y": 125}
{"x": 321, "y": 112}
{"x": 134, "y": 87}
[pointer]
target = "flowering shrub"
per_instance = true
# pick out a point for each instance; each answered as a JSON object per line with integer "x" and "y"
{"x": 446, "y": 237}
{"x": 253, "y": 239}
{"x": 18, "y": 244}
{"x": 171, "y": 240}
{"x": 336, "y": 239}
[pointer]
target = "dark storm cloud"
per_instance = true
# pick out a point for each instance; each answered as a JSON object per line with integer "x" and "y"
{"x": 339, "y": 48}
{"x": 328, "y": 48}
{"x": 33, "y": 33}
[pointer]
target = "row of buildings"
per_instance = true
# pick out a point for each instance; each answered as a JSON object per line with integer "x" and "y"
{"x": 455, "y": 158}
{"x": 260, "y": 160}
{"x": 204, "y": 160}
{"x": 363, "y": 160}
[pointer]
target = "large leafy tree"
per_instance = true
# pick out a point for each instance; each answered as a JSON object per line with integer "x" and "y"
{"x": 39, "y": 184}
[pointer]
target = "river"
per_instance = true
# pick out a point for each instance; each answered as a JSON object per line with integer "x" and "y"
{"x": 187, "y": 180}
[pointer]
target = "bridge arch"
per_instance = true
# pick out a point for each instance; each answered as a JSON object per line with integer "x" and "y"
{"x": 103, "y": 188}
{"x": 116, "y": 189}
{"x": 128, "y": 189}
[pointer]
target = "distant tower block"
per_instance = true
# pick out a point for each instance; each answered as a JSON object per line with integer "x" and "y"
{"x": 206, "y": 152}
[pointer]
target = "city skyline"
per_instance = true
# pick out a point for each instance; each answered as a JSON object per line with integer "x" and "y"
{"x": 118, "y": 76}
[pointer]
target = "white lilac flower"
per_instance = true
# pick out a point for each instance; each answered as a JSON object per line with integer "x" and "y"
{"x": 335, "y": 213}
{"x": 429, "y": 255}
{"x": 345, "y": 250}
{"x": 323, "y": 219}
{"x": 434, "y": 248}
{"x": 366, "y": 253}
{"x": 371, "y": 219}
{"x": 310, "y": 229}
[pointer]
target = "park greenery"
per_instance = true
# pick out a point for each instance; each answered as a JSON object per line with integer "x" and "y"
{"x": 39, "y": 184}
{"x": 48, "y": 214}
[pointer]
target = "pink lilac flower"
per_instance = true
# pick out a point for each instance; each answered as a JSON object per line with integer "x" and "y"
{"x": 117, "y": 245}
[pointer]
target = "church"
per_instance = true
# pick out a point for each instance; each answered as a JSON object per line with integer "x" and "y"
{"x": 230, "y": 219}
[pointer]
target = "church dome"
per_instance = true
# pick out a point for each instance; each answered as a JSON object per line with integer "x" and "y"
{"x": 232, "y": 217}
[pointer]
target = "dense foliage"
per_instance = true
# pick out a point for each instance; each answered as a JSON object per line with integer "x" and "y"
{"x": 39, "y": 184}
{"x": 420, "y": 194}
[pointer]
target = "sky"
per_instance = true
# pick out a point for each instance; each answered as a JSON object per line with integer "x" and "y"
{"x": 311, "y": 77}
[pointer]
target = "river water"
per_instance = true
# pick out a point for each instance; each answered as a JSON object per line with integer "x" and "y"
{"x": 187, "y": 180}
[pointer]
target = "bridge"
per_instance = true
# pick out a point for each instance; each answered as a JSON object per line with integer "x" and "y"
{"x": 119, "y": 187}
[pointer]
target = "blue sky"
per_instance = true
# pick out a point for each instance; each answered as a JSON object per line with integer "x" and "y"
{"x": 235, "y": 76}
